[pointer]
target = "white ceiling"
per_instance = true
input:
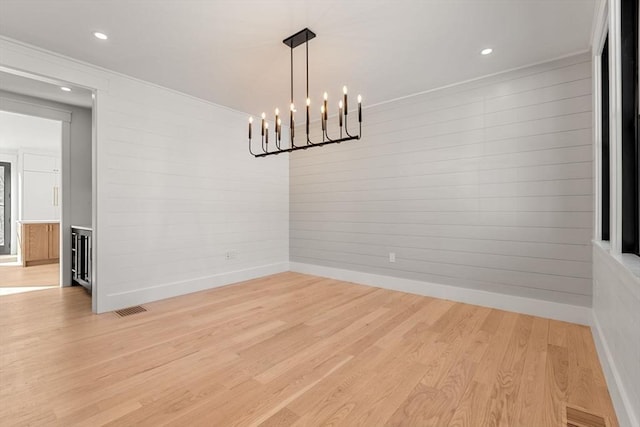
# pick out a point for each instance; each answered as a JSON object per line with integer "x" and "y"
{"x": 20, "y": 131}
{"x": 231, "y": 51}
{"x": 25, "y": 86}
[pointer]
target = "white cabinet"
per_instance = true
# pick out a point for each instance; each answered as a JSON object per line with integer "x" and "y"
{"x": 41, "y": 194}
{"x": 40, "y": 187}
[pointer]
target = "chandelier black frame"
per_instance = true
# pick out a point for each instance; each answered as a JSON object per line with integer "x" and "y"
{"x": 303, "y": 36}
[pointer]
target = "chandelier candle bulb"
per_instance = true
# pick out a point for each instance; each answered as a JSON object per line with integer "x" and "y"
{"x": 326, "y": 107}
{"x": 291, "y": 123}
{"x": 359, "y": 108}
{"x": 266, "y": 131}
{"x": 346, "y": 106}
{"x": 279, "y": 128}
{"x": 250, "y": 122}
{"x": 322, "y": 118}
{"x": 263, "y": 117}
{"x": 307, "y": 125}
{"x": 340, "y": 112}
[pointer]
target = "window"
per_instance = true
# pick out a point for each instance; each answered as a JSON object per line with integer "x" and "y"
{"x": 5, "y": 208}
{"x": 604, "y": 115}
{"x": 630, "y": 146}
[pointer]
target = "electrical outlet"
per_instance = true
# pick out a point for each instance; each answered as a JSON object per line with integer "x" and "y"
{"x": 392, "y": 257}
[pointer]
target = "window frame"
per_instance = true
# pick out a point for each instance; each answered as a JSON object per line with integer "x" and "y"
{"x": 605, "y": 163}
{"x": 630, "y": 150}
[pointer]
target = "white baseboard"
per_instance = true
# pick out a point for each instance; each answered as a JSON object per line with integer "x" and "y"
{"x": 620, "y": 398}
{"x": 535, "y": 307}
{"x": 116, "y": 301}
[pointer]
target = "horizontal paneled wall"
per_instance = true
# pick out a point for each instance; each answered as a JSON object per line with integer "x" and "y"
{"x": 180, "y": 204}
{"x": 485, "y": 185}
{"x": 616, "y": 301}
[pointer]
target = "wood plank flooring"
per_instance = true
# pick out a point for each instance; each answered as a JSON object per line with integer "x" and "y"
{"x": 291, "y": 350}
{"x": 37, "y": 275}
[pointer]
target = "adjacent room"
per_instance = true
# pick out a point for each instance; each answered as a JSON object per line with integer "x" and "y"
{"x": 313, "y": 213}
{"x": 45, "y": 140}
{"x": 39, "y": 142}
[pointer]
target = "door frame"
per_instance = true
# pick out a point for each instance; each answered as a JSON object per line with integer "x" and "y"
{"x": 96, "y": 87}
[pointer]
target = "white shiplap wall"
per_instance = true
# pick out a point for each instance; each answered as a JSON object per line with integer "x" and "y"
{"x": 616, "y": 303}
{"x": 484, "y": 185}
{"x": 176, "y": 188}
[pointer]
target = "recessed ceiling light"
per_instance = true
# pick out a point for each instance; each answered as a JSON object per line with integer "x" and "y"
{"x": 101, "y": 36}
{"x": 486, "y": 51}
{"x": 66, "y": 89}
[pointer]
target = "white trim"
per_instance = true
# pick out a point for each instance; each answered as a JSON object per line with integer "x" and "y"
{"x": 118, "y": 300}
{"x": 628, "y": 265}
{"x": 40, "y": 78}
{"x": 31, "y": 109}
{"x": 95, "y": 287}
{"x": 535, "y": 307}
{"x": 600, "y": 26}
{"x": 615, "y": 126}
{"x": 485, "y": 76}
{"x": 65, "y": 205}
{"x": 619, "y": 396}
{"x": 597, "y": 146}
{"x": 598, "y": 37}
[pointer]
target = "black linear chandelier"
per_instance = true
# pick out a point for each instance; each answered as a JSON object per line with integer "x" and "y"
{"x": 294, "y": 41}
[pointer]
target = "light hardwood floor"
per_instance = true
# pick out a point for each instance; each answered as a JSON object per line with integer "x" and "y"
{"x": 36, "y": 275}
{"x": 291, "y": 350}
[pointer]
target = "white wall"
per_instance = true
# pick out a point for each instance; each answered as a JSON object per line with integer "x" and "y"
{"x": 616, "y": 276}
{"x": 486, "y": 185}
{"x": 176, "y": 188}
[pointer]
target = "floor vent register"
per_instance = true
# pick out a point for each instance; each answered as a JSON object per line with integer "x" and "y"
{"x": 131, "y": 310}
{"x": 579, "y": 417}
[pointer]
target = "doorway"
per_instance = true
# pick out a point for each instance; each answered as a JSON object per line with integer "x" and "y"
{"x": 45, "y": 201}
{"x": 31, "y": 149}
